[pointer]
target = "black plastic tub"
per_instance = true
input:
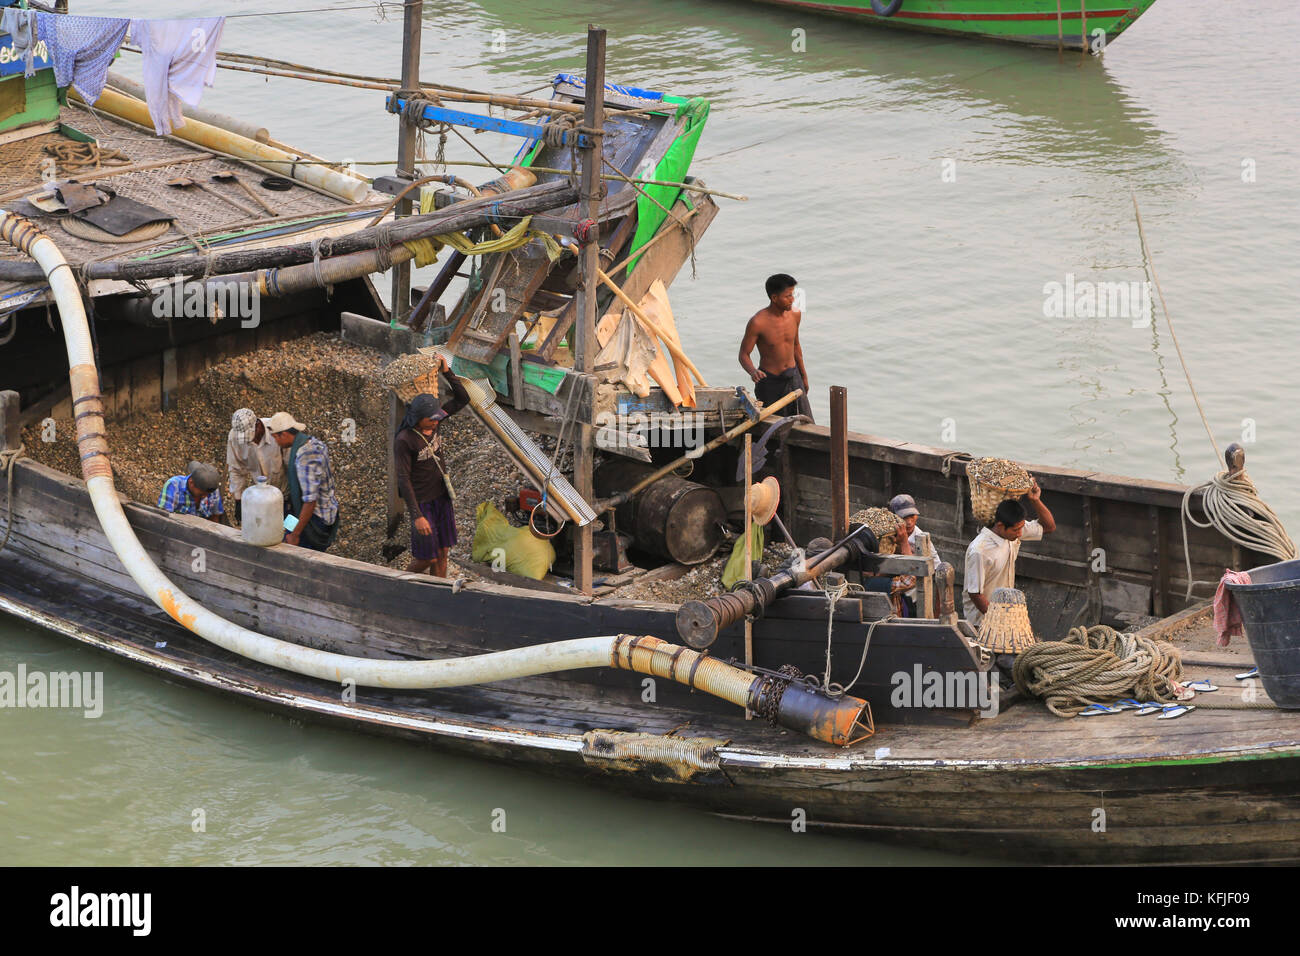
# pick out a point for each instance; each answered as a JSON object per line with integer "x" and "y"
{"x": 1270, "y": 612}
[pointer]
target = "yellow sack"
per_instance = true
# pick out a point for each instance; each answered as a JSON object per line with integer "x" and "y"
{"x": 504, "y": 547}
{"x": 735, "y": 569}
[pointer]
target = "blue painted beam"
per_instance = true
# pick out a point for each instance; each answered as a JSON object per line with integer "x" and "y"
{"x": 440, "y": 114}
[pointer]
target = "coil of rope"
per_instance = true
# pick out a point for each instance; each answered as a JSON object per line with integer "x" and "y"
{"x": 1236, "y": 511}
{"x": 75, "y": 156}
{"x": 1095, "y": 665}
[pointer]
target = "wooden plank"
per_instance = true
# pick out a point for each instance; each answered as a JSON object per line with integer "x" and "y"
{"x": 516, "y": 371}
{"x": 1159, "y": 561}
{"x": 666, "y": 257}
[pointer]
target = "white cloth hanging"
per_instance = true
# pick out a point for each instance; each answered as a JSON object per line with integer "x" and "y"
{"x": 180, "y": 59}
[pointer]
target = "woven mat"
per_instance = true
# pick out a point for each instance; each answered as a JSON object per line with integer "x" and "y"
{"x": 197, "y": 211}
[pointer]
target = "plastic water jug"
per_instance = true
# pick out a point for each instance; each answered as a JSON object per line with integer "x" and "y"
{"x": 262, "y": 512}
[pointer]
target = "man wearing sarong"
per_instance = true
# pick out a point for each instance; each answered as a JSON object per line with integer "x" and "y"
{"x": 775, "y": 330}
{"x": 311, "y": 484}
{"x": 422, "y": 478}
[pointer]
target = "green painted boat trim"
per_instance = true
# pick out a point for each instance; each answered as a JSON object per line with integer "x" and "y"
{"x": 1093, "y": 24}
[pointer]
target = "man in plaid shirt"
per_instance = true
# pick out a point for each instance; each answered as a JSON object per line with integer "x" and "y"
{"x": 197, "y": 493}
{"x": 311, "y": 484}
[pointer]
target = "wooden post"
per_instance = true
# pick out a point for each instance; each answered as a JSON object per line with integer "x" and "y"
{"x": 516, "y": 372}
{"x": 584, "y": 338}
{"x": 749, "y": 553}
{"x": 11, "y": 426}
{"x": 396, "y": 506}
{"x": 407, "y": 136}
{"x": 926, "y": 606}
{"x": 839, "y": 462}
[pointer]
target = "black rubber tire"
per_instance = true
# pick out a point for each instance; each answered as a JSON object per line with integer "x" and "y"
{"x": 884, "y": 9}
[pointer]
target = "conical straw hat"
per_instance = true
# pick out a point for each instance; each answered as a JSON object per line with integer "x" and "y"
{"x": 763, "y": 499}
{"x": 1005, "y": 629}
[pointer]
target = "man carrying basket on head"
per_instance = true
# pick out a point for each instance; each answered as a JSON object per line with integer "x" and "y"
{"x": 991, "y": 557}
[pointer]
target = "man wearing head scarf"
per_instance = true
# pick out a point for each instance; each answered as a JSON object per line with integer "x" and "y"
{"x": 422, "y": 479}
{"x": 251, "y": 453}
{"x": 195, "y": 493}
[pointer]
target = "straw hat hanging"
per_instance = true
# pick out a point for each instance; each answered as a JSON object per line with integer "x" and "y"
{"x": 1005, "y": 629}
{"x": 763, "y": 499}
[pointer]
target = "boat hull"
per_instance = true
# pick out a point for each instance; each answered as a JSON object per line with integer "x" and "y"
{"x": 1091, "y": 24}
{"x": 1025, "y": 785}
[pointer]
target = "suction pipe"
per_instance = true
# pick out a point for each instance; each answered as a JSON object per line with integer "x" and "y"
{"x": 793, "y": 704}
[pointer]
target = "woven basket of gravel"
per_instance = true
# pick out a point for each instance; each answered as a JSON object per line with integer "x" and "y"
{"x": 411, "y": 375}
{"x": 992, "y": 481}
{"x": 884, "y": 524}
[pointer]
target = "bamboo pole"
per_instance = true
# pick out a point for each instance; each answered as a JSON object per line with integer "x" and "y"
{"x": 489, "y": 99}
{"x": 211, "y": 137}
{"x": 584, "y": 339}
{"x": 407, "y": 137}
{"x": 651, "y": 325}
{"x": 749, "y": 553}
{"x": 455, "y": 218}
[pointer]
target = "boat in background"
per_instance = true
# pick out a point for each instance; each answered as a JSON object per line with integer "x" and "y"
{"x": 1065, "y": 24}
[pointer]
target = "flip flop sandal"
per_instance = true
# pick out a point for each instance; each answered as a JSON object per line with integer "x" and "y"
{"x": 1202, "y": 686}
{"x": 1171, "y": 711}
{"x": 1096, "y": 710}
{"x": 1128, "y": 703}
{"x": 1150, "y": 707}
{"x": 1247, "y": 675}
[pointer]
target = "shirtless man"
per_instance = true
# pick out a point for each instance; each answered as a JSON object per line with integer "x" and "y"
{"x": 775, "y": 330}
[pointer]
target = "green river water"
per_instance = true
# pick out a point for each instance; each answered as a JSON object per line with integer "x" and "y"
{"x": 924, "y": 192}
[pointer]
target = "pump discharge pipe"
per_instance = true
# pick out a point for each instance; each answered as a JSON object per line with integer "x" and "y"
{"x": 792, "y": 704}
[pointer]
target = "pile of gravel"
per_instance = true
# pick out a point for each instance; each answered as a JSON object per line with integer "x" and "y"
{"x": 333, "y": 388}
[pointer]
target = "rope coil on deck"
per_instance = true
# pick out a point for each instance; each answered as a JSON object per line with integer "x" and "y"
{"x": 1095, "y": 665}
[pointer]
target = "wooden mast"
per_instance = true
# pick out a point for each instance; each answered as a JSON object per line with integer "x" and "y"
{"x": 585, "y": 327}
{"x": 407, "y": 134}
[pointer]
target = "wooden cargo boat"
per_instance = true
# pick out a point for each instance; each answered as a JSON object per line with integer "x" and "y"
{"x": 1067, "y": 24}
{"x": 958, "y": 774}
{"x": 1213, "y": 786}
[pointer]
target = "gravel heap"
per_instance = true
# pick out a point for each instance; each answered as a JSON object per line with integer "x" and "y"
{"x": 324, "y": 382}
{"x": 1001, "y": 473}
{"x": 334, "y": 388}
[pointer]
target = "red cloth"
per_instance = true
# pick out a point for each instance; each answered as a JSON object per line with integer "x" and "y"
{"x": 1227, "y": 616}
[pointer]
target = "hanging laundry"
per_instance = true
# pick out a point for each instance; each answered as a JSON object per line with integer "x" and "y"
{"x": 21, "y": 27}
{"x": 82, "y": 49}
{"x": 180, "y": 58}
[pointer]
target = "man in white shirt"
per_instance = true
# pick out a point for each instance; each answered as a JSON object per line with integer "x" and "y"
{"x": 991, "y": 557}
{"x": 251, "y": 452}
{"x": 905, "y": 507}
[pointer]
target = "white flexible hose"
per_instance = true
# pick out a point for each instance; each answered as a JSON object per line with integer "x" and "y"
{"x": 502, "y": 665}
